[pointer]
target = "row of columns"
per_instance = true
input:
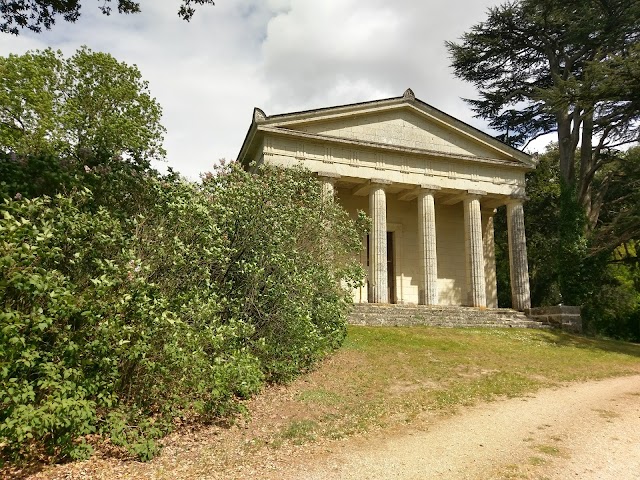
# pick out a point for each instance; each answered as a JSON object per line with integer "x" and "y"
{"x": 475, "y": 245}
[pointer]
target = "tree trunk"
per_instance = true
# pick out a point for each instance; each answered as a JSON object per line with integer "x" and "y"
{"x": 566, "y": 148}
{"x": 586, "y": 167}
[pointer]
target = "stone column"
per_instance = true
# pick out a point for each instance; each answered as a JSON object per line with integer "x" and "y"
{"x": 378, "y": 281}
{"x": 327, "y": 183}
{"x": 519, "y": 269}
{"x": 476, "y": 286}
{"x": 428, "y": 288}
{"x": 489, "y": 257}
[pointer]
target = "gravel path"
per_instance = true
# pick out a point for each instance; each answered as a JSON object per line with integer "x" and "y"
{"x": 586, "y": 431}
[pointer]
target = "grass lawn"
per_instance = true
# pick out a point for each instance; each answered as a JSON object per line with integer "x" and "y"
{"x": 385, "y": 376}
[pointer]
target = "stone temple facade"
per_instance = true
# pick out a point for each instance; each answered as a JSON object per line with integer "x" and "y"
{"x": 431, "y": 185}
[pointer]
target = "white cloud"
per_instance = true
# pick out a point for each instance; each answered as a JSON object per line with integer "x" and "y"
{"x": 280, "y": 55}
{"x": 318, "y": 53}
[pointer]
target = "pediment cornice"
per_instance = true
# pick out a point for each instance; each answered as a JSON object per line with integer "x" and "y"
{"x": 290, "y": 123}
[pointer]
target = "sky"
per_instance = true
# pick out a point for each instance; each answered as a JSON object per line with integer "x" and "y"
{"x": 278, "y": 55}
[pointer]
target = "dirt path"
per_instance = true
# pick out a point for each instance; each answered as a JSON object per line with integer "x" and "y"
{"x": 586, "y": 431}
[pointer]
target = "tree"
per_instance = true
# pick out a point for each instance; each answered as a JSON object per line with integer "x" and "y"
{"x": 606, "y": 279}
{"x": 619, "y": 221}
{"x": 565, "y": 66}
{"x": 89, "y": 105}
{"x": 36, "y": 14}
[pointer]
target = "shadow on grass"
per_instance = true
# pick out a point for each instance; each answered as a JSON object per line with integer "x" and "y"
{"x": 556, "y": 337}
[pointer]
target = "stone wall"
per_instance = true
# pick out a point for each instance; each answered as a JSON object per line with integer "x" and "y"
{"x": 566, "y": 317}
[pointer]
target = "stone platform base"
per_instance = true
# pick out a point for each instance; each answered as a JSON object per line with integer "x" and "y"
{"x": 440, "y": 316}
{"x": 561, "y": 316}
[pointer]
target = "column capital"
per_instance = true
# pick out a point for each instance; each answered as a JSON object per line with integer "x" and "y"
{"x": 379, "y": 182}
{"x": 428, "y": 189}
{"x": 516, "y": 199}
{"x": 474, "y": 194}
{"x": 488, "y": 212}
{"x": 363, "y": 189}
{"x": 420, "y": 192}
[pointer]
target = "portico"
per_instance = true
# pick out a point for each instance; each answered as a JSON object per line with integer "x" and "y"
{"x": 430, "y": 184}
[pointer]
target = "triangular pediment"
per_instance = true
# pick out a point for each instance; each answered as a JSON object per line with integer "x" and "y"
{"x": 402, "y": 128}
{"x": 399, "y": 123}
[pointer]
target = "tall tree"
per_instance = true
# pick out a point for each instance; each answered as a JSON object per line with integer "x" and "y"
{"x": 619, "y": 222}
{"x": 33, "y": 15}
{"x": 88, "y": 103}
{"x": 565, "y": 66}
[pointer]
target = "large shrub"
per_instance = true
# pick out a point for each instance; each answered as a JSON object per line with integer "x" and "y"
{"x": 120, "y": 316}
{"x": 288, "y": 252}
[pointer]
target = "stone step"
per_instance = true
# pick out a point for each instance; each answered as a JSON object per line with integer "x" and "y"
{"x": 444, "y": 314}
{"x": 441, "y": 315}
{"x": 431, "y": 312}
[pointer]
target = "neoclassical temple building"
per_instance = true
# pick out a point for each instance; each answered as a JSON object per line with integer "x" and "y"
{"x": 431, "y": 185}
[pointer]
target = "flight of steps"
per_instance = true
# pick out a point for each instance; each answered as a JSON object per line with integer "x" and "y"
{"x": 441, "y": 316}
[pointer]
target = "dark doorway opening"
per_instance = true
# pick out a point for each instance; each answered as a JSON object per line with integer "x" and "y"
{"x": 391, "y": 271}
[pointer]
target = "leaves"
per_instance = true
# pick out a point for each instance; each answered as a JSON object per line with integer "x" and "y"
{"x": 85, "y": 106}
{"x": 16, "y": 15}
{"x": 567, "y": 66}
{"x": 119, "y": 317}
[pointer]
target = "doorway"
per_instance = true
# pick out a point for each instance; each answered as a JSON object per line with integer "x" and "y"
{"x": 391, "y": 271}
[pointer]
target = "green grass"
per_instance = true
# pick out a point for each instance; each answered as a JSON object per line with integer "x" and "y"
{"x": 548, "y": 450}
{"x": 299, "y": 432}
{"x": 397, "y": 377}
{"x": 320, "y": 396}
{"x": 386, "y": 376}
{"x": 537, "y": 461}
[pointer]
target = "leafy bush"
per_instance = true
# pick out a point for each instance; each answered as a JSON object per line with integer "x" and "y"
{"x": 178, "y": 301}
{"x": 288, "y": 250}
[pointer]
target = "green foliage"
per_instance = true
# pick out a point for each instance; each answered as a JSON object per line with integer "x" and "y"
{"x": 619, "y": 219}
{"x": 85, "y": 106}
{"x": 614, "y": 308}
{"x": 130, "y": 299}
{"x": 564, "y": 66}
{"x": 124, "y": 310}
{"x": 542, "y": 220}
{"x": 572, "y": 265}
{"x": 37, "y": 175}
{"x": 51, "y": 373}
{"x": 534, "y": 60}
{"x": 501, "y": 239}
{"x": 284, "y": 263}
{"x": 16, "y": 15}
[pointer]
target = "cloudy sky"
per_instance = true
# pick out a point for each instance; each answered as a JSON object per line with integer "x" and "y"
{"x": 279, "y": 55}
